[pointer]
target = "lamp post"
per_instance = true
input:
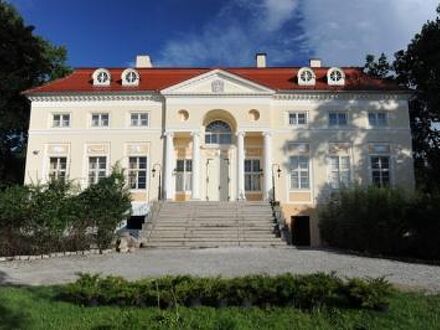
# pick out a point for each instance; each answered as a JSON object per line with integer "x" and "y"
{"x": 278, "y": 171}
{"x": 158, "y": 168}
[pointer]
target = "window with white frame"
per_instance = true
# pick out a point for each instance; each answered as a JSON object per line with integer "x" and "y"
{"x": 380, "y": 170}
{"x": 339, "y": 171}
{"x": 97, "y": 169}
{"x": 377, "y": 119}
{"x": 58, "y": 168}
{"x": 299, "y": 172}
{"x": 252, "y": 175}
{"x": 337, "y": 119}
{"x": 100, "y": 119}
{"x": 297, "y": 118}
{"x": 139, "y": 119}
{"x": 61, "y": 120}
{"x": 183, "y": 175}
{"x": 137, "y": 172}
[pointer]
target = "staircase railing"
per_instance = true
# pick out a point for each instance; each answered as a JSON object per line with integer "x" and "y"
{"x": 280, "y": 228}
{"x": 151, "y": 220}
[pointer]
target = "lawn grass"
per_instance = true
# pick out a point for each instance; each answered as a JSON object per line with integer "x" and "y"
{"x": 39, "y": 308}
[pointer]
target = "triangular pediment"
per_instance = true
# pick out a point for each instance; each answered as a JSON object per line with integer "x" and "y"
{"x": 217, "y": 82}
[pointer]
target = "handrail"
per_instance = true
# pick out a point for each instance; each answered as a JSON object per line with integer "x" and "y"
{"x": 151, "y": 218}
{"x": 279, "y": 227}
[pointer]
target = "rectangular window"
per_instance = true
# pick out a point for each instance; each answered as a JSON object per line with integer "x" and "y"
{"x": 184, "y": 175}
{"x": 97, "y": 169}
{"x": 139, "y": 119}
{"x": 252, "y": 175}
{"x": 100, "y": 120}
{"x": 137, "y": 172}
{"x": 337, "y": 119}
{"x": 299, "y": 172}
{"x": 377, "y": 119}
{"x": 297, "y": 118}
{"x": 61, "y": 120}
{"x": 380, "y": 170}
{"x": 339, "y": 171}
{"x": 58, "y": 168}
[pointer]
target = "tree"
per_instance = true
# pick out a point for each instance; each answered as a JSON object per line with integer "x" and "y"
{"x": 378, "y": 69}
{"x": 418, "y": 68}
{"x": 26, "y": 61}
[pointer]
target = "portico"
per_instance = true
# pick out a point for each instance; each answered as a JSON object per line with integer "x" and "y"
{"x": 218, "y": 164}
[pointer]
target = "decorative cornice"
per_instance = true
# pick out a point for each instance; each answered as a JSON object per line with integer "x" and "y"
{"x": 341, "y": 95}
{"x": 94, "y": 97}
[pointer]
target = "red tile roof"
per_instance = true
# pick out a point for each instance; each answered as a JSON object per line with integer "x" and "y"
{"x": 156, "y": 79}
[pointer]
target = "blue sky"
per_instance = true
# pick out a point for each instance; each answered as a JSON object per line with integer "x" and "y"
{"x": 226, "y": 32}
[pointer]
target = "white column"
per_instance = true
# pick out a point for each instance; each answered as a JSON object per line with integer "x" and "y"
{"x": 240, "y": 166}
{"x": 169, "y": 165}
{"x": 196, "y": 166}
{"x": 267, "y": 170}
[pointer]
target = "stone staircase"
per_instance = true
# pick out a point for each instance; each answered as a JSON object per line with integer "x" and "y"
{"x": 211, "y": 224}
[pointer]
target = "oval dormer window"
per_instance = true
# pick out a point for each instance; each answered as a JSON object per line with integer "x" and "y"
{"x": 335, "y": 76}
{"x": 101, "y": 77}
{"x": 306, "y": 77}
{"x": 130, "y": 77}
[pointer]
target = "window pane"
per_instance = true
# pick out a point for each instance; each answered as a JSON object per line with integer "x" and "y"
{"x": 102, "y": 163}
{"x": 292, "y": 119}
{"x": 142, "y": 162}
{"x": 381, "y": 119}
{"x": 294, "y": 182}
{"x": 189, "y": 165}
{"x": 333, "y": 119}
{"x": 104, "y": 119}
{"x": 301, "y": 118}
{"x": 134, "y": 119}
{"x": 303, "y": 162}
{"x": 132, "y": 163}
{"x": 294, "y": 162}
{"x": 372, "y": 119}
{"x": 179, "y": 181}
{"x": 180, "y": 166}
{"x": 66, "y": 120}
{"x": 247, "y": 165}
{"x": 256, "y": 165}
{"x": 342, "y": 118}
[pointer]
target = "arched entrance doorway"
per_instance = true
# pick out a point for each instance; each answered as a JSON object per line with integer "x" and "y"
{"x": 218, "y": 138}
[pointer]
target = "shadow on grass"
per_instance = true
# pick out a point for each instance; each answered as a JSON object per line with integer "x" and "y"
{"x": 9, "y": 318}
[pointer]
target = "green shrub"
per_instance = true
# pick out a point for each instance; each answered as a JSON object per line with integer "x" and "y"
{"x": 372, "y": 293}
{"x": 301, "y": 291}
{"x": 57, "y": 217}
{"x": 381, "y": 221}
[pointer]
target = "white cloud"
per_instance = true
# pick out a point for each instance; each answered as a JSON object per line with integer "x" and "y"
{"x": 239, "y": 30}
{"x": 342, "y": 32}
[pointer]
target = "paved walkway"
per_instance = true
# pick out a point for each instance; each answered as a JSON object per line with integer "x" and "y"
{"x": 219, "y": 261}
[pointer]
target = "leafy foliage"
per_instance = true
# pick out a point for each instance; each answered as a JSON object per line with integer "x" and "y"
{"x": 26, "y": 61}
{"x": 418, "y": 69}
{"x": 57, "y": 217}
{"x": 382, "y": 221}
{"x": 301, "y": 291}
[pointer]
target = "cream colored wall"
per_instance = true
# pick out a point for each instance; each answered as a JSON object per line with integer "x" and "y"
{"x": 116, "y": 138}
{"x": 236, "y": 110}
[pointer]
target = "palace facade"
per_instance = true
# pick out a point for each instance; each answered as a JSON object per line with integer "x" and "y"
{"x": 293, "y": 134}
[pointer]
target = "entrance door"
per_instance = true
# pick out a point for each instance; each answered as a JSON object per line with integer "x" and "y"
{"x": 217, "y": 178}
{"x": 301, "y": 231}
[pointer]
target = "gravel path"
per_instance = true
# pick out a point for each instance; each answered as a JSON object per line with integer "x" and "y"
{"x": 219, "y": 261}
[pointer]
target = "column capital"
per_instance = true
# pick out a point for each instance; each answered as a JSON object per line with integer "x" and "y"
{"x": 168, "y": 133}
{"x": 267, "y": 133}
{"x": 240, "y": 133}
{"x": 195, "y": 133}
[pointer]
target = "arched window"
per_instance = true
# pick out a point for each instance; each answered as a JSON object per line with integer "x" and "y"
{"x": 306, "y": 77}
{"x": 335, "y": 76}
{"x": 218, "y": 132}
{"x": 101, "y": 77}
{"x": 130, "y": 77}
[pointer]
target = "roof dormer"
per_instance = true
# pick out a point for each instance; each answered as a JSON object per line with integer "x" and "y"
{"x": 130, "y": 77}
{"x": 335, "y": 77}
{"x": 306, "y": 77}
{"x": 101, "y": 77}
